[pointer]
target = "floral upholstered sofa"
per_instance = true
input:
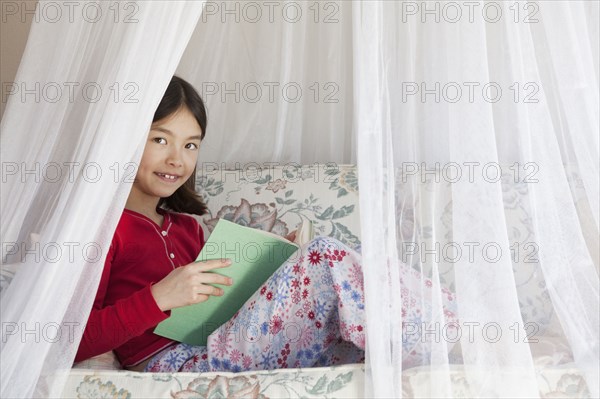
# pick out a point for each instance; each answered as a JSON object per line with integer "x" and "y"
{"x": 277, "y": 198}
{"x": 271, "y": 198}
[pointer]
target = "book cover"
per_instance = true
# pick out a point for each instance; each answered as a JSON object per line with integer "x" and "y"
{"x": 255, "y": 256}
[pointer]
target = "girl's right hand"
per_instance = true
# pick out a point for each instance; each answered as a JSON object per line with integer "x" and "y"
{"x": 189, "y": 284}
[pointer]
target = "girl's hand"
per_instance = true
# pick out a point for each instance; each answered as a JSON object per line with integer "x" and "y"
{"x": 189, "y": 284}
{"x": 292, "y": 236}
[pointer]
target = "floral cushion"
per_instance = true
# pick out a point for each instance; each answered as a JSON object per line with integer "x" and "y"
{"x": 346, "y": 381}
{"x": 329, "y": 382}
{"x": 279, "y": 198}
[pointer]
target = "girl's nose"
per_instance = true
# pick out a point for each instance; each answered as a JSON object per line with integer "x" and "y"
{"x": 175, "y": 158}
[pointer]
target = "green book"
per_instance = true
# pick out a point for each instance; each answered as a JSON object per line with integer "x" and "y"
{"x": 255, "y": 256}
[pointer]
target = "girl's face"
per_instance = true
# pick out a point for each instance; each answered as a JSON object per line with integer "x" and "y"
{"x": 170, "y": 155}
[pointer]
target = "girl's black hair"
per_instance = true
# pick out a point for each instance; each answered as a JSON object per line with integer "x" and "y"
{"x": 181, "y": 94}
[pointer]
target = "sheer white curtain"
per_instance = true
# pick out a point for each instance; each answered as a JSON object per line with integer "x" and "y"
{"x": 415, "y": 111}
{"x": 469, "y": 87}
{"x": 369, "y": 82}
{"x": 94, "y": 81}
{"x": 277, "y": 81}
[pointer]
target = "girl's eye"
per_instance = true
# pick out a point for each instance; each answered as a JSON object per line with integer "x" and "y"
{"x": 192, "y": 146}
{"x": 159, "y": 140}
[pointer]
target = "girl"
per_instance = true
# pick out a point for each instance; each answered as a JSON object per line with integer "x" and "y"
{"x": 309, "y": 313}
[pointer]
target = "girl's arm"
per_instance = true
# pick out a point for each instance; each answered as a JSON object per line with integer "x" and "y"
{"x": 108, "y": 327}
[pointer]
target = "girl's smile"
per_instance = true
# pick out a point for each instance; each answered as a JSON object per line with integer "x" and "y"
{"x": 168, "y": 178}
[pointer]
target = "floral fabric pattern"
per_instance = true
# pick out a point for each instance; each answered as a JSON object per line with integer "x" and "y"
{"x": 277, "y": 199}
{"x": 310, "y": 313}
{"x": 345, "y": 381}
{"x": 222, "y": 387}
{"x": 93, "y": 387}
{"x": 257, "y": 216}
{"x": 333, "y": 382}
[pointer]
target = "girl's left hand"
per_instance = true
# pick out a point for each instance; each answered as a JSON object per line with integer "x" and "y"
{"x": 292, "y": 236}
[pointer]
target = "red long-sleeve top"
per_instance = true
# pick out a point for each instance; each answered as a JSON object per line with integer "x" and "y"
{"x": 125, "y": 313}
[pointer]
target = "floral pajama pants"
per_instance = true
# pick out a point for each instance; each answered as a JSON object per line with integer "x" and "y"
{"x": 310, "y": 313}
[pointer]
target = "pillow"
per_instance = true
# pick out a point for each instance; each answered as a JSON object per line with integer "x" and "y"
{"x": 279, "y": 198}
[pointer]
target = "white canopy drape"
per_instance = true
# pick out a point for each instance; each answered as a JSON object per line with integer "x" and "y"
{"x": 415, "y": 111}
{"x": 503, "y": 100}
{"x": 66, "y": 175}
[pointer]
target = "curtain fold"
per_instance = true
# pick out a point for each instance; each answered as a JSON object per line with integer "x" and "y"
{"x": 478, "y": 158}
{"x": 68, "y": 153}
{"x": 277, "y": 80}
